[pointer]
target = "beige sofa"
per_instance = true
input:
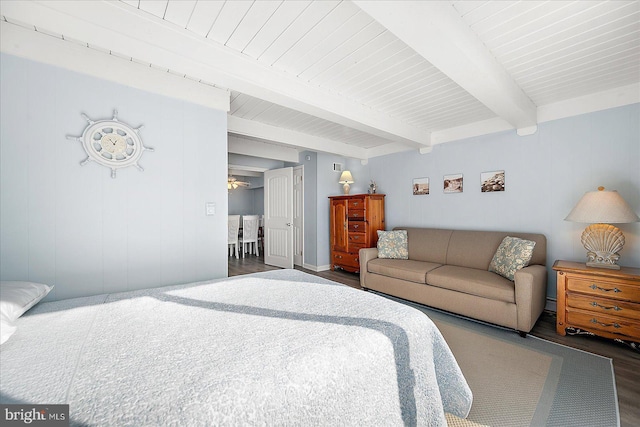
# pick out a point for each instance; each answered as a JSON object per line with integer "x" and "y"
{"x": 448, "y": 269}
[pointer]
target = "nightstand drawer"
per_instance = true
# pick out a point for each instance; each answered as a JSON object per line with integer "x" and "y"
{"x": 596, "y": 286}
{"x": 600, "y": 322}
{"x": 604, "y": 306}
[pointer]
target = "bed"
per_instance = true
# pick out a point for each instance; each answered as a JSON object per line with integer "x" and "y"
{"x": 274, "y": 348}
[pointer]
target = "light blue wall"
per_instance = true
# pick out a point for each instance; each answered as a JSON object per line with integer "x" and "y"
{"x": 246, "y": 201}
{"x": 310, "y": 185}
{"x": 79, "y": 229}
{"x": 546, "y": 174}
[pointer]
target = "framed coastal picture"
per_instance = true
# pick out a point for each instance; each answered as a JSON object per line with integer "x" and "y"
{"x": 420, "y": 186}
{"x": 492, "y": 181}
{"x": 453, "y": 183}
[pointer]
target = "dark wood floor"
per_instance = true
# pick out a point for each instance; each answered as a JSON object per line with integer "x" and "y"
{"x": 626, "y": 362}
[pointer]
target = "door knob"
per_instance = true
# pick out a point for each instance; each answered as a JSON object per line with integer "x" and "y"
{"x": 289, "y": 224}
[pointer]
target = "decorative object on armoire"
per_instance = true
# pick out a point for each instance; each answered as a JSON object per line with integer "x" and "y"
{"x": 601, "y": 240}
{"x": 373, "y": 187}
{"x": 111, "y": 143}
{"x": 346, "y": 179}
{"x": 492, "y": 181}
{"x": 233, "y": 183}
{"x": 354, "y": 224}
{"x": 420, "y": 186}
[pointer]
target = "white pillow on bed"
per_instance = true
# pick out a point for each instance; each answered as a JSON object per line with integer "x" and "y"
{"x": 18, "y": 297}
{"x": 6, "y": 328}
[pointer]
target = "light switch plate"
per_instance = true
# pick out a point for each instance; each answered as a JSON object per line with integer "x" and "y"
{"x": 210, "y": 208}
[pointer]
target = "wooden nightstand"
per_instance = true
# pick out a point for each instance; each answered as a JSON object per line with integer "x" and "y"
{"x": 598, "y": 301}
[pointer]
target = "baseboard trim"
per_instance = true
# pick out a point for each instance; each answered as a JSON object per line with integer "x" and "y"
{"x": 316, "y": 268}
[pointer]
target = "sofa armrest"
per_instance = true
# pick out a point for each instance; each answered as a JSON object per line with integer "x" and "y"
{"x": 531, "y": 295}
{"x": 365, "y": 255}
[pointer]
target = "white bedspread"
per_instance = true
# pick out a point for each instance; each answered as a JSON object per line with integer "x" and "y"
{"x": 275, "y": 348}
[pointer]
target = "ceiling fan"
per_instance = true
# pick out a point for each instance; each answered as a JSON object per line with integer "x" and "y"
{"x": 233, "y": 183}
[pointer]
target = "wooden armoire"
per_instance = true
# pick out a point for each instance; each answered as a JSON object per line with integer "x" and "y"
{"x": 354, "y": 222}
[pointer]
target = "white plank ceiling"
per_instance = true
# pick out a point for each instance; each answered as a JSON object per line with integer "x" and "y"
{"x": 363, "y": 79}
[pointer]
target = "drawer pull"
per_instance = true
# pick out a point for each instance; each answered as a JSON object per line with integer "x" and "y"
{"x": 594, "y": 286}
{"x": 615, "y": 307}
{"x": 339, "y": 256}
{"x": 615, "y": 325}
{"x": 356, "y": 225}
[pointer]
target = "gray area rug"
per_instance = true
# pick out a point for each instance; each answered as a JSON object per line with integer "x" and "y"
{"x": 528, "y": 381}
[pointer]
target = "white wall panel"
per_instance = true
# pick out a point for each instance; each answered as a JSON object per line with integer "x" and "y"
{"x": 154, "y": 7}
{"x": 172, "y": 182}
{"x": 256, "y": 17}
{"x": 274, "y": 27}
{"x": 41, "y": 193}
{"x": 204, "y": 15}
{"x": 14, "y": 176}
{"x": 333, "y": 30}
{"x": 230, "y": 16}
{"x": 179, "y": 12}
{"x": 308, "y": 19}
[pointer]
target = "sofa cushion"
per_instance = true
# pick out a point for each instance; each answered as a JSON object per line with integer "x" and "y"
{"x": 475, "y": 249}
{"x": 512, "y": 255}
{"x": 404, "y": 269}
{"x": 393, "y": 244}
{"x": 428, "y": 244}
{"x": 472, "y": 281}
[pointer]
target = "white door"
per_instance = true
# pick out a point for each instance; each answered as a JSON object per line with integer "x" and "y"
{"x": 278, "y": 217}
{"x": 298, "y": 211}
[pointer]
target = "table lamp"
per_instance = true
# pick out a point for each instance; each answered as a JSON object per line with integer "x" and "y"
{"x": 346, "y": 179}
{"x": 601, "y": 240}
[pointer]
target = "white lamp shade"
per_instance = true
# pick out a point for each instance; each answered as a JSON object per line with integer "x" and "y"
{"x": 602, "y": 207}
{"x": 346, "y": 178}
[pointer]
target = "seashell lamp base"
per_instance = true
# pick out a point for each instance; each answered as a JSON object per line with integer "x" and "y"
{"x": 603, "y": 242}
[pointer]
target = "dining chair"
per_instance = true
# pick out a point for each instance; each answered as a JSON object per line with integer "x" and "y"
{"x": 234, "y": 230}
{"x": 250, "y": 234}
{"x": 261, "y": 232}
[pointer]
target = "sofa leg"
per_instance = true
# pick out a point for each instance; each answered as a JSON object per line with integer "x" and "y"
{"x": 522, "y": 334}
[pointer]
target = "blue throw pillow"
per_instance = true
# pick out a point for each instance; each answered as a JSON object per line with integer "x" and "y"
{"x": 512, "y": 255}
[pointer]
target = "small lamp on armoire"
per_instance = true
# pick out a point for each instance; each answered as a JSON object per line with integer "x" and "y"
{"x": 602, "y": 240}
{"x": 346, "y": 179}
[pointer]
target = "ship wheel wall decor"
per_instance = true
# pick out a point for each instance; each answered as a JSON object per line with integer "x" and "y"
{"x": 111, "y": 143}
